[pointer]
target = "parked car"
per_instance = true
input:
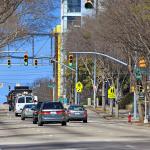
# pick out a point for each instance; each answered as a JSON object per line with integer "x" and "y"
{"x": 27, "y": 111}
{"x": 36, "y": 111}
{"x": 52, "y": 112}
{"x": 77, "y": 113}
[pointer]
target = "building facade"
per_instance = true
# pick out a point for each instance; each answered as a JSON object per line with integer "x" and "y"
{"x": 72, "y": 13}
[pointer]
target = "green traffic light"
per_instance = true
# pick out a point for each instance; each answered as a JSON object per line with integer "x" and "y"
{"x": 26, "y": 63}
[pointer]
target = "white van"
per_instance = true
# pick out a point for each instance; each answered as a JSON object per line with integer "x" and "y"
{"x": 21, "y": 101}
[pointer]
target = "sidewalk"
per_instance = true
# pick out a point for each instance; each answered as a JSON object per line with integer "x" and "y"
{"x": 123, "y": 116}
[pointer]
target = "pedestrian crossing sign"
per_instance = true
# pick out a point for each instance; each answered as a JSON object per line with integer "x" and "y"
{"x": 111, "y": 93}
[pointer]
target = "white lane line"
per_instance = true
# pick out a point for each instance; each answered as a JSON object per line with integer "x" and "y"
{"x": 131, "y": 146}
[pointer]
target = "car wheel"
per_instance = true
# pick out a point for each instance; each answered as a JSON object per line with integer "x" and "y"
{"x": 22, "y": 118}
{"x": 40, "y": 123}
{"x": 68, "y": 120}
{"x": 34, "y": 122}
{"x": 64, "y": 123}
{"x": 85, "y": 121}
{"x": 16, "y": 114}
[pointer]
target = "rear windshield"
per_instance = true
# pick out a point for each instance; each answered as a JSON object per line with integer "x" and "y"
{"x": 38, "y": 106}
{"x": 51, "y": 105}
{"x": 29, "y": 100}
{"x": 30, "y": 106}
{"x": 77, "y": 108}
{"x": 21, "y": 100}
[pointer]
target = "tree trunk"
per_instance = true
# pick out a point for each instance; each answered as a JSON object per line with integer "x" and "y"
{"x": 140, "y": 110}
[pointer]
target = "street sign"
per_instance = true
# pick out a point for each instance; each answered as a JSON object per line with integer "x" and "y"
{"x": 51, "y": 85}
{"x": 79, "y": 87}
{"x": 111, "y": 93}
{"x": 138, "y": 74}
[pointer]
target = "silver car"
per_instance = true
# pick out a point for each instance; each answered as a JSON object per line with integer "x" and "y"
{"x": 27, "y": 111}
{"x": 77, "y": 113}
{"x": 52, "y": 112}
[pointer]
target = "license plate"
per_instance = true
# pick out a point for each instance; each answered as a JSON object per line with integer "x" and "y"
{"x": 77, "y": 113}
{"x": 53, "y": 112}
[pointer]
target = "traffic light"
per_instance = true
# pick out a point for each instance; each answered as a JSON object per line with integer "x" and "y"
{"x": 9, "y": 62}
{"x": 142, "y": 62}
{"x": 26, "y": 59}
{"x": 35, "y": 62}
{"x": 89, "y": 4}
{"x": 70, "y": 60}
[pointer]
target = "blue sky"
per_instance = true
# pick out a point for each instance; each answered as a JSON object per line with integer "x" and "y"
{"x": 26, "y": 75}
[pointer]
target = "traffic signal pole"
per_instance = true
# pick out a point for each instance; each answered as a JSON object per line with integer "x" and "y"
{"x": 94, "y": 82}
{"x": 76, "y": 98}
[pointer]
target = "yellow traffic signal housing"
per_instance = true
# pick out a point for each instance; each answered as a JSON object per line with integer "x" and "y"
{"x": 35, "y": 62}
{"x": 70, "y": 60}
{"x": 26, "y": 59}
{"x": 142, "y": 63}
{"x": 89, "y": 4}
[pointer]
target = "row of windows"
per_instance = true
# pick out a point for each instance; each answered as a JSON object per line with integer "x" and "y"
{"x": 74, "y": 6}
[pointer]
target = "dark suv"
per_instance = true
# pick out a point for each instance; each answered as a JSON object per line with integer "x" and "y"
{"x": 52, "y": 112}
{"x": 36, "y": 111}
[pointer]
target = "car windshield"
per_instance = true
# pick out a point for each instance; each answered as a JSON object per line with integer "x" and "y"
{"x": 76, "y": 108}
{"x": 29, "y": 100}
{"x": 52, "y": 105}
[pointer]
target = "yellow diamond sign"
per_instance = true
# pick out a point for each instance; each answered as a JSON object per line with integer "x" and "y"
{"x": 79, "y": 87}
{"x": 111, "y": 93}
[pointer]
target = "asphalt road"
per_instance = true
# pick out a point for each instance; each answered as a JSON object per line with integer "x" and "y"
{"x": 97, "y": 134}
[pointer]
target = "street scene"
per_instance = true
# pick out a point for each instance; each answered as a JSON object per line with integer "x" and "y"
{"x": 74, "y": 74}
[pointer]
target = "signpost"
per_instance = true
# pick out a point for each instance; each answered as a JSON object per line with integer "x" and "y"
{"x": 79, "y": 88}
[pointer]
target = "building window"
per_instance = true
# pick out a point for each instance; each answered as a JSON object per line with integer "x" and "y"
{"x": 73, "y": 21}
{"x": 74, "y": 6}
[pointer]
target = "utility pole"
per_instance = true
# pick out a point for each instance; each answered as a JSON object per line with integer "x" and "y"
{"x": 33, "y": 49}
{"x": 117, "y": 98}
{"x": 94, "y": 83}
{"x": 103, "y": 93}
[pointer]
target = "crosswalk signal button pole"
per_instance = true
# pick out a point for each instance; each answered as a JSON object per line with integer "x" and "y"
{"x": 26, "y": 59}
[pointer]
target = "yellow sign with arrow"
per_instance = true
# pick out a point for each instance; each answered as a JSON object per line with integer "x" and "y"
{"x": 111, "y": 93}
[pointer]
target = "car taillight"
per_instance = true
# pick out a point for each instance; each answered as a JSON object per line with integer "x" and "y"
{"x": 44, "y": 112}
{"x": 60, "y": 112}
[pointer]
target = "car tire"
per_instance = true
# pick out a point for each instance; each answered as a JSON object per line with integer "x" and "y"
{"x": 22, "y": 118}
{"x": 34, "y": 122}
{"x": 68, "y": 120}
{"x": 64, "y": 123}
{"x": 85, "y": 121}
{"x": 40, "y": 123}
{"x": 16, "y": 114}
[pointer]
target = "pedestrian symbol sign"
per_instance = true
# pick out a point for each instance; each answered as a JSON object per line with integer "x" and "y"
{"x": 111, "y": 93}
{"x": 79, "y": 87}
